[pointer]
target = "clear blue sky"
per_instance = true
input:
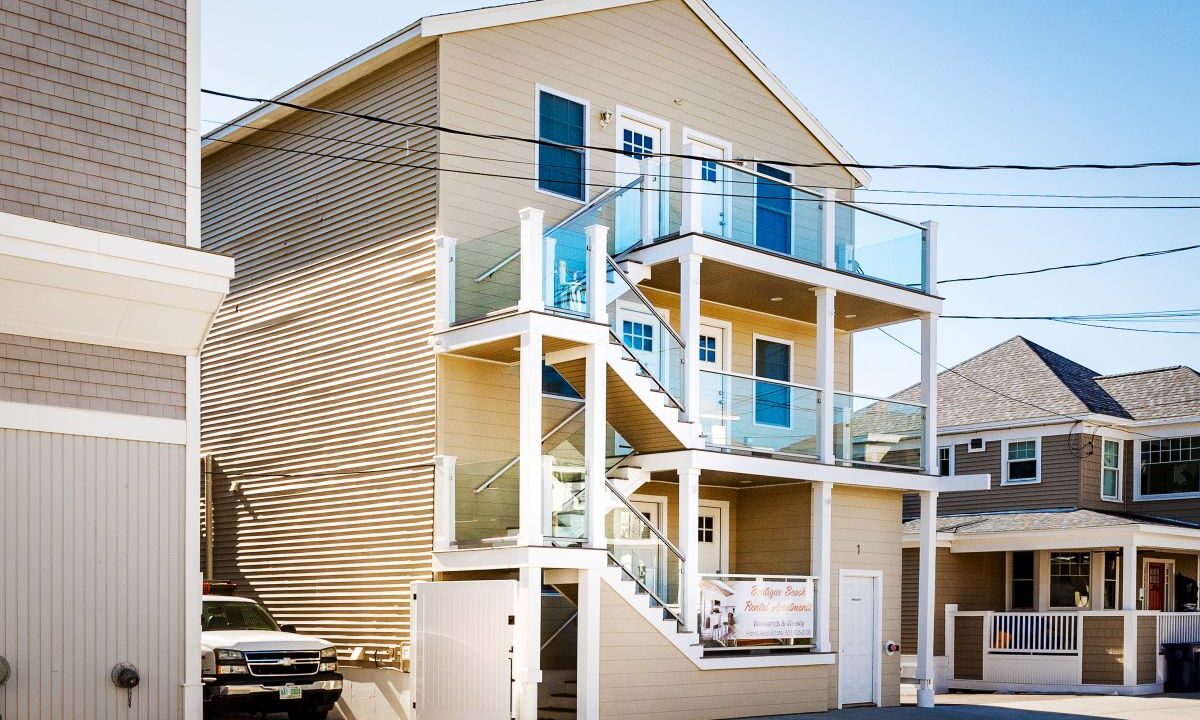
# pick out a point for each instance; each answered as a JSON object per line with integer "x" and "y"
{"x": 951, "y": 82}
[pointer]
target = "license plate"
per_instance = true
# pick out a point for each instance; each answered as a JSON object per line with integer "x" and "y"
{"x": 289, "y": 693}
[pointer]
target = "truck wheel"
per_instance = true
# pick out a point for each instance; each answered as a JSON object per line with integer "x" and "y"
{"x": 308, "y": 714}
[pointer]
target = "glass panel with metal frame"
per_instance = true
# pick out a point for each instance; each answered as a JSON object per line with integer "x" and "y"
{"x": 642, "y": 551}
{"x": 730, "y": 409}
{"x": 876, "y": 431}
{"x": 878, "y": 246}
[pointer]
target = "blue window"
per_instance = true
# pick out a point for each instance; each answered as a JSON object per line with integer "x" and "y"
{"x": 708, "y": 349}
{"x": 638, "y": 336}
{"x": 637, "y": 145}
{"x": 708, "y": 170}
{"x": 773, "y": 211}
{"x": 561, "y": 170}
{"x": 772, "y": 401}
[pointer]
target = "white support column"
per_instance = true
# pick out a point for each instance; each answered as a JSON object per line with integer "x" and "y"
{"x": 929, "y": 388}
{"x": 689, "y": 325}
{"x": 527, "y": 645}
{"x": 594, "y": 442}
{"x": 829, "y": 228}
{"x": 1129, "y": 603}
{"x": 931, "y": 229}
{"x": 445, "y": 249}
{"x": 692, "y": 220}
{"x": 689, "y": 545}
{"x": 193, "y": 688}
{"x": 925, "y": 600}
{"x": 649, "y": 199}
{"x": 532, "y": 297}
{"x": 597, "y": 273}
{"x": 443, "y": 502}
{"x": 550, "y": 276}
{"x": 821, "y": 508}
{"x": 530, "y": 439}
{"x": 548, "y": 499}
{"x": 825, "y": 371}
{"x": 587, "y": 662}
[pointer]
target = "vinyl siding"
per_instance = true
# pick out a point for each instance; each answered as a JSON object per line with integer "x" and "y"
{"x": 318, "y": 377}
{"x": 1103, "y": 650}
{"x": 644, "y": 677}
{"x": 657, "y": 58}
{"x": 973, "y": 581}
{"x": 92, "y": 576}
{"x": 1188, "y": 510}
{"x": 92, "y": 112}
{"x": 774, "y": 530}
{"x": 90, "y": 377}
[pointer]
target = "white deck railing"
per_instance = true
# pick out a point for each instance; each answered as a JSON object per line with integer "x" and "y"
{"x": 1177, "y": 627}
{"x": 1034, "y": 633}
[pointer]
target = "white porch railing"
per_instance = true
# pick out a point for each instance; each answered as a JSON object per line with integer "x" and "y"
{"x": 1031, "y": 633}
{"x": 1177, "y": 627}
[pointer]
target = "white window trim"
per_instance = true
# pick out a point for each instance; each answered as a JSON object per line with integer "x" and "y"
{"x": 1168, "y": 583}
{"x": 754, "y": 371}
{"x": 627, "y": 113}
{"x": 1091, "y": 580}
{"x": 726, "y": 149}
{"x": 1037, "y": 457}
{"x": 981, "y": 448}
{"x": 1120, "y": 488}
{"x": 1008, "y": 581}
{"x": 1137, "y": 479}
{"x": 951, "y": 449}
{"x": 726, "y": 340}
{"x": 537, "y": 133}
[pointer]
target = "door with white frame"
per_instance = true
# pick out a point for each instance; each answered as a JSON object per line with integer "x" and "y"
{"x": 635, "y": 545}
{"x": 860, "y": 620}
{"x": 715, "y": 389}
{"x": 646, "y": 337}
{"x": 713, "y": 537}
{"x": 716, "y": 213}
{"x": 638, "y": 137}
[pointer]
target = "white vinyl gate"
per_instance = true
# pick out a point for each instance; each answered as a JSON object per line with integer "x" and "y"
{"x": 462, "y": 640}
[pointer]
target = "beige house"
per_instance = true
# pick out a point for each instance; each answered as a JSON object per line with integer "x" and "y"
{"x": 534, "y": 390}
{"x": 105, "y": 300}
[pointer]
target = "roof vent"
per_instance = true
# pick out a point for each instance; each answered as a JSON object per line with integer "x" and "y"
{"x": 976, "y": 445}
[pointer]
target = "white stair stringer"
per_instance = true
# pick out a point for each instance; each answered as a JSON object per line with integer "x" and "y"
{"x": 688, "y": 643}
{"x": 627, "y": 480}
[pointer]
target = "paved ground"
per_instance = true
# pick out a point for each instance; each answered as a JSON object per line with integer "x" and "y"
{"x": 982, "y": 706}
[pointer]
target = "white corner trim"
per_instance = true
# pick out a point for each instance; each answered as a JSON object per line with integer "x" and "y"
{"x": 94, "y": 423}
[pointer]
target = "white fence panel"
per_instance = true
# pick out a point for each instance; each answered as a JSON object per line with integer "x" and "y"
{"x": 1178, "y": 627}
{"x": 1034, "y": 633}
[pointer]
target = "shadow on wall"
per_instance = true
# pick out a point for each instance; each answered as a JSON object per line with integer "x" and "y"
{"x": 374, "y": 694}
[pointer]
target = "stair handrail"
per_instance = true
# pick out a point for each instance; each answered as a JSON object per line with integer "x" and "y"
{"x": 645, "y": 301}
{"x": 637, "y": 581}
{"x": 559, "y": 631}
{"x": 629, "y": 506}
{"x": 645, "y": 370}
{"x": 509, "y": 465}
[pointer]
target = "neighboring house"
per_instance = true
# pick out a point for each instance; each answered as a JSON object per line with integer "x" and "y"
{"x": 1093, "y": 509}
{"x": 105, "y": 299}
{"x": 590, "y": 395}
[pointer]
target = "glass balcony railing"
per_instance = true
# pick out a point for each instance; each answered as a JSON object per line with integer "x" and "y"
{"x": 486, "y": 503}
{"x": 877, "y": 246}
{"x": 753, "y": 414}
{"x": 487, "y": 277}
{"x": 642, "y": 551}
{"x": 877, "y": 431}
{"x": 646, "y": 335}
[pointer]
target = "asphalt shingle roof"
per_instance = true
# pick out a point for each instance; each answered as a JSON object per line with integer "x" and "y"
{"x": 1037, "y": 520}
{"x": 1156, "y": 394}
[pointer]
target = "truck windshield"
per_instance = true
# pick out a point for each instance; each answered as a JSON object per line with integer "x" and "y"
{"x": 232, "y": 615}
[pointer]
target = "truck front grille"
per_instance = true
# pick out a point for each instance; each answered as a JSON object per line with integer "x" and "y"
{"x": 265, "y": 663}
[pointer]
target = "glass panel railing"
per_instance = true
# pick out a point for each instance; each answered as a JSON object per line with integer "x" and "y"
{"x": 647, "y": 337}
{"x": 564, "y": 498}
{"x": 762, "y": 612}
{"x": 753, "y": 414}
{"x": 878, "y": 432}
{"x": 643, "y": 213}
{"x": 487, "y": 275}
{"x": 880, "y": 247}
{"x": 486, "y": 503}
{"x": 637, "y": 545}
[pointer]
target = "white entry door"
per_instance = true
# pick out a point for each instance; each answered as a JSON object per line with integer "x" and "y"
{"x": 645, "y": 337}
{"x": 711, "y": 538}
{"x": 636, "y": 140}
{"x": 715, "y": 390}
{"x": 636, "y": 547}
{"x": 715, "y": 199}
{"x": 858, "y": 630}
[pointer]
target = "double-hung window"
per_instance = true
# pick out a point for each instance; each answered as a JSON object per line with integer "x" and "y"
{"x": 946, "y": 460}
{"x": 1021, "y": 462}
{"x": 562, "y": 170}
{"x": 1110, "y": 470}
{"x": 1170, "y": 466}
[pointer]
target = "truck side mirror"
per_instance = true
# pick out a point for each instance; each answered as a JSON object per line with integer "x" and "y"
{"x": 289, "y": 628}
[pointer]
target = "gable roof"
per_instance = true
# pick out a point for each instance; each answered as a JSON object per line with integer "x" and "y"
{"x": 1156, "y": 394}
{"x": 427, "y": 28}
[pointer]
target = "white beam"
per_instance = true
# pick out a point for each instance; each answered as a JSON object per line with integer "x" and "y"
{"x": 443, "y": 502}
{"x": 594, "y": 444}
{"x": 193, "y": 688}
{"x": 530, "y": 439}
{"x": 931, "y": 230}
{"x": 527, "y": 645}
{"x": 587, "y": 662}
{"x": 445, "y": 249}
{"x": 689, "y": 325}
{"x": 821, "y": 509}
{"x": 532, "y": 261}
{"x": 597, "y": 272}
{"x": 929, "y": 388}
{"x": 1129, "y": 603}
{"x": 925, "y": 601}
{"x": 689, "y": 545}
{"x": 829, "y": 228}
{"x": 825, "y": 371}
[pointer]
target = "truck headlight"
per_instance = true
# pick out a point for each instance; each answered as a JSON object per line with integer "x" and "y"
{"x": 329, "y": 652}
{"x": 328, "y": 660}
{"x": 232, "y": 670}
{"x": 230, "y": 655}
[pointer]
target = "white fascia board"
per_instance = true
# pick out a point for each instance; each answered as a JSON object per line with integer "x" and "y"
{"x": 91, "y": 423}
{"x": 513, "y": 556}
{"x": 454, "y": 22}
{"x": 795, "y": 270}
{"x": 512, "y": 326}
{"x": 1050, "y": 422}
{"x": 1180, "y": 425}
{"x": 913, "y": 540}
{"x": 1147, "y": 536}
{"x": 964, "y": 483}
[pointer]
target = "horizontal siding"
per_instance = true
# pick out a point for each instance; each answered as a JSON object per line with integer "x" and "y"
{"x": 774, "y": 530}
{"x": 973, "y": 581}
{"x": 1059, "y": 486}
{"x": 318, "y": 393}
{"x": 1187, "y": 510}
{"x": 91, "y": 377}
{"x": 93, "y": 575}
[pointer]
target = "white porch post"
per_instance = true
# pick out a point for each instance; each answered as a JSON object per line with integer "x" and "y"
{"x": 527, "y": 645}
{"x": 829, "y": 228}
{"x": 443, "y": 501}
{"x": 597, "y": 273}
{"x": 689, "y": 545}
{"x": 529, "y": 436}
{"x": 689, "y": 325}
{"x": 532, "y": 284}
{"x": 594, "y": 442}
{"x": 693, "y": 217}
{"x": 925, "y": 601}
{"x": 931, "y": 230}
{"x": 825, "y": 371}
{"x": 587, "y": 659}
{"x": 929, "y": 390}
{"x": 822, "y": 531}
{"x": 445, "y": 249}
{"x": 1129, "y": 603}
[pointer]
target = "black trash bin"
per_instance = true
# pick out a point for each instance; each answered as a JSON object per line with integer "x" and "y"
{"x": 1183, "y": 667}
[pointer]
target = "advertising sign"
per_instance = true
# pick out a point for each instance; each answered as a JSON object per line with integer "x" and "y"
{"x": 745, "y": 611}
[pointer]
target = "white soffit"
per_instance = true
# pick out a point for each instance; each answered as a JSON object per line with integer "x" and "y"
{"x": 69, "y": 283}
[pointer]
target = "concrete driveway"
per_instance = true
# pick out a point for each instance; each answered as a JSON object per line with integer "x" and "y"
{"x": 981, "y": 706}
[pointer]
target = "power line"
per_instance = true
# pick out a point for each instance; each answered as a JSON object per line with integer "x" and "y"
{"x": 1128, "y": 329}
{"x": 1094, "y": 263}
{"x": 1026, "y": 195}
{"x": 785, "y": 163}
{"x": 1142, "y": 316}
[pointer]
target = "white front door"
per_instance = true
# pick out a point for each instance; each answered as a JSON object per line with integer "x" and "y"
{"x": 711, "y": 533}
{"x": 715, "y": 390}
{"x": 636, "y": 547}
{"x": 858, "y": 659}
{"x": 645, "y": 337}
{"x": 636, "y": 140}
{"x": 715, "y": 198}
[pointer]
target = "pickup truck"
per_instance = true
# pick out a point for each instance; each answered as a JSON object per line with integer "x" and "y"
{"x": 251, "y": 664}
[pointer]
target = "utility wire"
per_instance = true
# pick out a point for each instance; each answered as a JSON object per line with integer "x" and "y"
{"x": 1094, "y": 263}
{"x": 785, "y": 163}
{"x": 1026, "y": 195}
{"x": 1128, "y": 329}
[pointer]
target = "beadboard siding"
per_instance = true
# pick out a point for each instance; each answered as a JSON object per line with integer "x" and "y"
{"x": 866, "y": 536}
{"x": 488, "y": 80}
{"x": 973, "y": 581}
{"x": 318, "y": 378}
{"x": 92, "y": 114}
{"x": 1103, "y": 650}
{"x": 644, "y": 677}
{"x": 91, "y": 577}
{"x": 90, "y": 377}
